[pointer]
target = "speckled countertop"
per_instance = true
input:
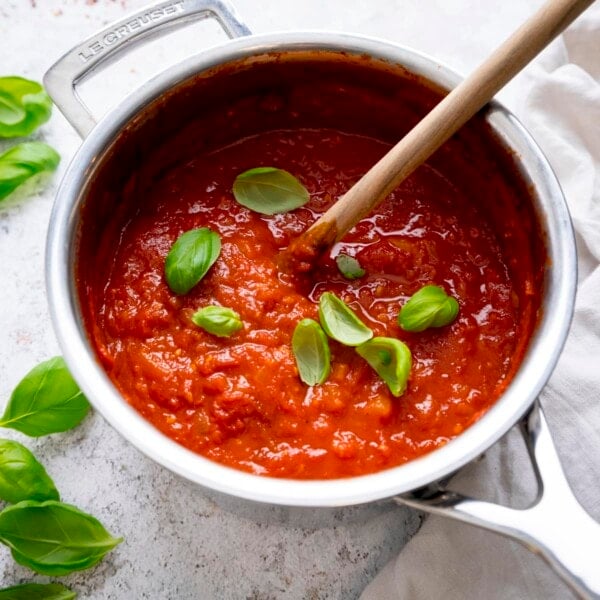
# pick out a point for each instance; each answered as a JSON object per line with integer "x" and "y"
{"x": 180, "y": 542}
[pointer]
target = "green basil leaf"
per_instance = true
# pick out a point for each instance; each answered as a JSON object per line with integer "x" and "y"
{"x": 23, "y": 161}
{"x": 37, "y": 591}
{"x": 53, "y": 570}
{"x": 22, "y": 477}
{"x": 340, "y": 323}
{"x": 311, "y": 351}
{"x": 190, "y": 258}
{"x": 24, "y": 106}
{"x": 218, "y": 320}
{"x": 429, "y": 307}
{"x": 47, "y": 400}
{"x": 53, "y": 538}
{"x": 391, "y": 359}
{"x": 349, "y": 267}
{"x": 268, "y": 191}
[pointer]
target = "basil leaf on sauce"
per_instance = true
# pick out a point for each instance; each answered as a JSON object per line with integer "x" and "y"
{"x": 429, "y": 307}
{"x": 53, "y": 538}
{"x": 218, "y": 320}
{"x": 37, "y": 591}
{"x": 391, "y": 359}
{"x": 24, "y": 106}
{"x": 47, "y": 400}
{"x": 349, "y": 267}
{"x": 311, "y": 351}
{"x": 22, "y": 477}
{"x": 190, "y": 258}
{"x": 340, "y": 323}
{"x": 267, "y": 190}
{"x": 22, "y": 162}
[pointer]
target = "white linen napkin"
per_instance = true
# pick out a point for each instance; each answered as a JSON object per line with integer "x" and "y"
{"x": 559, "y": 102}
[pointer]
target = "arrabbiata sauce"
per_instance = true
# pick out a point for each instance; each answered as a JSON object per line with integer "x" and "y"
{"x": 463, "y": 221}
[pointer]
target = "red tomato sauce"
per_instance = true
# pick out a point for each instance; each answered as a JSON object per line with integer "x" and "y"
{"x": 463, "y": 221}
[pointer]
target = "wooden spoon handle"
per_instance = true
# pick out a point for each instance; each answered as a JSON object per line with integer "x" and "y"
{"x": 438, "y": 126}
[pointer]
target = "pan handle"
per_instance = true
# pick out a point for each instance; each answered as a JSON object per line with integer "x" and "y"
{"x": 62, "y": 78}
{"x": 555, "y": 526}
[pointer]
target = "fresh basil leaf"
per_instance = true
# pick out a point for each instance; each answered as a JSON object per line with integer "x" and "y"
{"x": 24, "y": 106}
{"x": 429, "y": 307}
{"x": 47, "y": 400}
{"x": 52, "y": 570}
{"x": 190, "y": 258}
{"x": 218, "y": 320}
{"x": 340, "y": 323}
{"x": 349, "y": 267}
{"x": 37, "y": 591}
{"x": 391, "y": 359}
{"x": 311, "y": 351}
{"x": 268, "y": 191}
{"x": 22, "y": 477}
{"x": 23, "y": 161}
{"x": 53, "y": 538}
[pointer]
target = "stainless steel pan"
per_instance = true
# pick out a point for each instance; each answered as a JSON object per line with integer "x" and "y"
{"x": 540, "y": 527}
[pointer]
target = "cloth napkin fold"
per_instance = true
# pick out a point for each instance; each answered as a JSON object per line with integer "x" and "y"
{"x": 559, "y": 102}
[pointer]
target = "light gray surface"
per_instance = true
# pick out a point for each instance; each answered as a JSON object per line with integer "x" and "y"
{"x": 181, "y": 544}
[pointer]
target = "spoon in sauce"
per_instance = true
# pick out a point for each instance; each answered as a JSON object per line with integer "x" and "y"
{"x": 431, "y": 132}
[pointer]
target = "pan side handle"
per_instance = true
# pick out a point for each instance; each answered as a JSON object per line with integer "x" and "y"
{"x": 62, "y": 78}
{"x": 555, "y": 526}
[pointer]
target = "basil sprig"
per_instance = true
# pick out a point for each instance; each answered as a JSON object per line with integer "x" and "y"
{"x": 37, "y": 591}
{"x": 22, "y": 477}
{"x": 24, "y": 106}
{"x": 340, "y": 323}
{"x": 268, "y": 190}
{"x": 429, "y": 307}
{"x": 311, "y": 351}
{"x": 391, "y": 359}
{"x": 349, "y": 267}
{"x": 190, "y": 258}
{"x": 53, "y": 538}
{"x": 218, "y": 320}
{"x": 47, "y": 400}
{"x": 45, "y": 535}
{"x": 22, "y": 162}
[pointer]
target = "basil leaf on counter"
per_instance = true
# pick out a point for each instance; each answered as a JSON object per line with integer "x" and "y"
{"x": 311, "y": 351}
{"x": 24, "y": 106}
{"x": 391, "y": 359}
{"x": 47, "y": 400}
{"x": 340, "y": 323}
{"x": 429, "y": 307}
{"x": 23, "y": 161}
{"x": 37, "y": 591}
{"x": 22, "y": 477}
{"x": 349, "y": 267}
{"x": 218, "y": 320}
{"x": 53, "y": 538}
{"x": 268, "y": 191}
{"x": 190, "y": 258}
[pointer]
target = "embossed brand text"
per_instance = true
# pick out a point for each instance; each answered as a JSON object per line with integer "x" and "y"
{"x": 103, "y": 42}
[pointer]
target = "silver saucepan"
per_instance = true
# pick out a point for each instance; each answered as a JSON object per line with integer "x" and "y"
{"x": 416, "y": 483}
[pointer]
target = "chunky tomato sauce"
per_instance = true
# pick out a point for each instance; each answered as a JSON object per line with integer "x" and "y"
{"x": 462, "y": 221}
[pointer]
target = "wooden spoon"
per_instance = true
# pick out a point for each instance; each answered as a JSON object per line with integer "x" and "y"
{"x": 437, "y": 127}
